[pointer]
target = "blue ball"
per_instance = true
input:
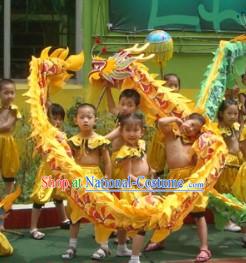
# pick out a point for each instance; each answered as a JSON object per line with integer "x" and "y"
{"x": 158, "y": 36}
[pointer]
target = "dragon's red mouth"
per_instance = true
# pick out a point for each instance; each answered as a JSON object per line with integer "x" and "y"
{"x": 98, "y": 65}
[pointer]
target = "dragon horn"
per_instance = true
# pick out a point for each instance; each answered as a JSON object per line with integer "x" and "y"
{"x": 63, "y": 55}
{"x": 45, "y": 53}
{"x": 144, "y": 58}
{"x": 241, "y": 38}
{"x": 136, "y": 50}
{"x": 56, "y": 52}
{"x": 131, "y": 49}
{"x": 75, "y": 62}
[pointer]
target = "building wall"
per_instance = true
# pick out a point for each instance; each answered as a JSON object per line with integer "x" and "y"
{"x": 192, "y": 53}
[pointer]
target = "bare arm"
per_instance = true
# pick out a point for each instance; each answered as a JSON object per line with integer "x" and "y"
{"x": 113, "y": 134}
{"x": 6, "y": 126}
{"x": 111, "y": 104}
{"x": 242, "y": 99}
{"x": 107, "y": 163}
{"x": 163, "y": 123}
{"x": 243, "y": 148}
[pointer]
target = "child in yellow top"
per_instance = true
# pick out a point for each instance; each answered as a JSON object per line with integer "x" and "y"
{"x": 9, "y": 114}
{"x": 239, "y": 186}
{"x": 228, "y": 116}
{"x": 41, "y": 195}
{"x": 129, "y": 101}
{"x": 89, "y": 150}
{"x": 156, "y": 151}
{"x": 181, "y": 160}
{"x": 228, "y": 123}
{"x": 131, "y": 160}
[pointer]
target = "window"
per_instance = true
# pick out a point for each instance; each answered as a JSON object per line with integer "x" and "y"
{"x": 36, "y": 24}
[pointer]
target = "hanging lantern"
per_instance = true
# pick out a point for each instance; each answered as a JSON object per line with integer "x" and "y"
{"x": 161, "y": 44}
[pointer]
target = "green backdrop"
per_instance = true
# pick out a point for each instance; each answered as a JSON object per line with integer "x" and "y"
{"x": 192, "y": 15}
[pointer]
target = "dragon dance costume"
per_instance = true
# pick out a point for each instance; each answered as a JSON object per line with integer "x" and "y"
{"x": 165, "y": 213}
{"x": 6, "y": 248}
{"x": 40, "y": 194}
{"x": 157, "y": 148}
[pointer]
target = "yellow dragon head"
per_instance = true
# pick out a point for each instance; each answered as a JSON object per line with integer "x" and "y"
{"x": 55, "y": 67}
{"x": 118, "y": 67}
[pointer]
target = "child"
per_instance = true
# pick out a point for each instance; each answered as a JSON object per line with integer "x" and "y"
{"x": 157, "y": 149}
{"x": 40, "y": 195}
{"x": 9, "y": 114}
{"x": 235, "y": 95}
{"x": 239, "y": 185}
{"x": 172, "y": 81}
{"x": 129, "y": 101}
{"x": 132, "y": 161}
{"x": 181, "y": 160}
{"x": 157, "y": 144}
{"x": 89, "y": 149}
{"x": 228, "y": 116}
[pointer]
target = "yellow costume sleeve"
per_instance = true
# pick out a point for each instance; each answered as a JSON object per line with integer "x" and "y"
{"x": 243, "y": 134}
{"x": 126, "y": 152}
{"x": 228, "y": 132}
{"x": 16, "y": 110}
{"x": 93, "y": 143}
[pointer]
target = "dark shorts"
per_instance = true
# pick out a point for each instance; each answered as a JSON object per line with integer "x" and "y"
{"x": 8, "y": 179}
{"x": 198, "y": 214}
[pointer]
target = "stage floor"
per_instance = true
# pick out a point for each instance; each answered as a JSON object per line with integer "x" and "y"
{"x": 181, "y": 246}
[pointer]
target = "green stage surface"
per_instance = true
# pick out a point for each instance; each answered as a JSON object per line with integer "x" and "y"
{"x": 181, "y": 245}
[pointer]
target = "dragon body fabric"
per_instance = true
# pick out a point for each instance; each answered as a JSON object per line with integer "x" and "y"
{"x": 165, "y": 213}
{"x": 219, "y": 73}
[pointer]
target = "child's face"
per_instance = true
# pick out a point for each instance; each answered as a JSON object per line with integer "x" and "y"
{"x": 127, "y": 106}
{"x": 56, "y": 120}
{"x": 232, "y": 93}
{"x": 244, "y": 79}
{"x": 131, "y": 133}
{"x": 230, "y": 115}
{"x": 7, "y": 94}
{"x": 85, "y": 119}
{"x": 173, "y": 83}
{"x": 191, "y": 127}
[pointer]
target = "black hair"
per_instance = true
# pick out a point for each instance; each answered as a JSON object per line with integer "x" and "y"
{"x": 133, "y": 118}
{"x": 197, "y": 116}
{"x": 131, "y": 93}
{"x": 6, "y": 82}
{"x": 167, "y": 76}
{"x": 83, "y": 105}
{"x": 56, "y": 110}
{"x": 224, "y": 105}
